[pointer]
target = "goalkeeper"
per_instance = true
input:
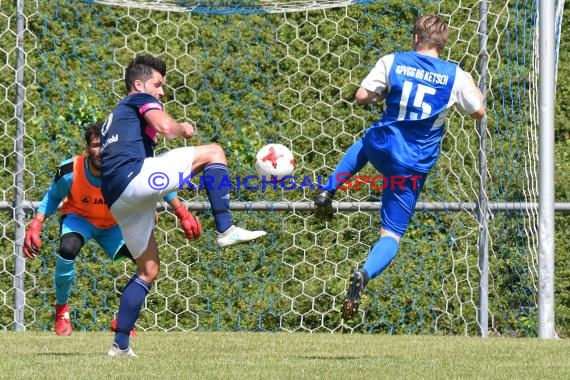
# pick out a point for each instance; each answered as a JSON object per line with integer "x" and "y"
{"x": 84, "y": 216}
{"x": 419, "y": 89}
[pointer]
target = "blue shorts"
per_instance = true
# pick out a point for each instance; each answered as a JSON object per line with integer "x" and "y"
{"x": 401, "y": 188}
{"x": 110, "y": 239}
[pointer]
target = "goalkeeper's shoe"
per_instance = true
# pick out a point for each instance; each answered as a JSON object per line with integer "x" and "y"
{"x": 114, "y": 328}
{"x": 116, "y": 351}
{"x": 323, "y": 205}
{"x": 62, "y": 320}
{"x": 358, "y": 282}
{"x": 236, "y": 235}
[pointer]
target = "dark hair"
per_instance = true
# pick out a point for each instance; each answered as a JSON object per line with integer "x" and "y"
{"x": 142, "y": 68}
{"x": 93, "y": 130}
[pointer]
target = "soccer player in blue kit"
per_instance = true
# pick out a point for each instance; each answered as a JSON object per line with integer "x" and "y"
{"x": 84, "y": 216}
{"x": 133, "y": 180}
{"x": 419, "y": 89}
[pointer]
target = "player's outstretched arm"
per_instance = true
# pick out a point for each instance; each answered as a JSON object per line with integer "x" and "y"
{"x": 32, "y": 241}
{"x": 166, "y": 126}
{"x": 480, "y": 113}
{"x": 190, "y": 224}
{"x": 58, "y": 190}
{"x": 364, "y": 96}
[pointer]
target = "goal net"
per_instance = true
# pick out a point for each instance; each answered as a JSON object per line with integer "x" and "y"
{"x": 251, "y": 72}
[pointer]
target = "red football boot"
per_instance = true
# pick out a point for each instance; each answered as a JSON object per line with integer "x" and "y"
{"x": 62, "y": 320}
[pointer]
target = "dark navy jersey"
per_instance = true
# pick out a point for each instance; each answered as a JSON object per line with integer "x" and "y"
{"x": 420, "y": 92}
{"x": 126, "y": 140}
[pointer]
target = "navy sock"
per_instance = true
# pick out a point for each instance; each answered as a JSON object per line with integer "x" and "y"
{"x": 353, "y": 160}
{"x": 381, "y": 255}
{"x": 132, "y": 300}
{"x": 218, "y": 186}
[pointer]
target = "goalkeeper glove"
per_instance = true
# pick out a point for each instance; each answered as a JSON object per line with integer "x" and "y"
{"x": 190, "y": 224}
{"x": 32, "y": 242}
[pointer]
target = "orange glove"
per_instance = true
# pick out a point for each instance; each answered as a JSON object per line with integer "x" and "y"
{"x": 190, "y": 224}
{"x": 32, "y": 242}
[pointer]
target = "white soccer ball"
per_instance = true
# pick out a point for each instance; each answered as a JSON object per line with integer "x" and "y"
{"x": 274, "y": 161}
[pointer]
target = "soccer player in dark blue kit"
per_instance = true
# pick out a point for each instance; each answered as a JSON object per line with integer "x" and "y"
{"x": 84, "y": 217}
{"x": 133, "y": 180}
{"x": 419, "y": 89}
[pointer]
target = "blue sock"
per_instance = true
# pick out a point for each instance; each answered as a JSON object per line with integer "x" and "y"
{"x": 64, "y": 276}
{"x": 218, "y": 186}
{"x": 353, "y": 160}
{"x": 132, "y": 300}
{"x": 381, "y": 256}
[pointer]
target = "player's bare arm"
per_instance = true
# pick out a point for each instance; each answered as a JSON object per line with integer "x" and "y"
{"x": 364, "y": 96}
{"x": 480, "y": 113}
{"x": 166, "y": 126}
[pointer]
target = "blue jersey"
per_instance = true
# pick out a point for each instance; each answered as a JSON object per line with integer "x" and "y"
{"x": 419, "y": 97}
{"x": 126, "y": 140}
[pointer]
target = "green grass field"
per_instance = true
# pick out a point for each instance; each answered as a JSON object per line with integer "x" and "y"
{"x": 281, "y": 356}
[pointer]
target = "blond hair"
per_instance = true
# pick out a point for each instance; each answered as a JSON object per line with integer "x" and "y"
{"x": 432, "y": 32}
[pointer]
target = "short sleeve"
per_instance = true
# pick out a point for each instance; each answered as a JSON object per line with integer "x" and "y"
{"x": 466, "y": 94}
{"x": 145, "y": 102}
{"x": 377, "y": 79}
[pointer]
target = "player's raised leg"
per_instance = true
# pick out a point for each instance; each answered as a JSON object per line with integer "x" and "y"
{"x": 399, "y": 199}
{"x": 211, "y": 161}
{"x": 353, "y": 160}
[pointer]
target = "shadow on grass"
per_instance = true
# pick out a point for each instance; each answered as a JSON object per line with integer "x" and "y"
{"x": 336, "y": 357}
